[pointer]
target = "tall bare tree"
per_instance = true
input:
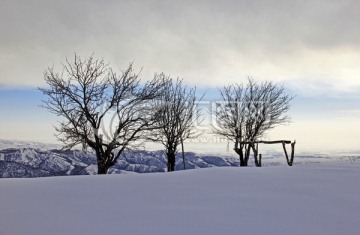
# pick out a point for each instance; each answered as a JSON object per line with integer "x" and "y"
{"x": 248, "y": 111}
{"x": 177, "y": 117}
{"x": 86, "y": 93}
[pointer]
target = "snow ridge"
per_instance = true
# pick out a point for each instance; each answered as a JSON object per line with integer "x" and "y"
{"x": 31, "y": 162}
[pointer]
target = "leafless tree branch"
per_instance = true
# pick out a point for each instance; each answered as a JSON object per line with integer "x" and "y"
{"x": 248, "y": 111}
{"x": 86, "y": 92}
{"x": 177, "y": 117}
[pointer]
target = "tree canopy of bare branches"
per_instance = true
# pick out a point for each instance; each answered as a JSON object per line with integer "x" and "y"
{"x": 86, "y": 93}
{"x": 248, "y": 111}
{"x": 177, "y": 117}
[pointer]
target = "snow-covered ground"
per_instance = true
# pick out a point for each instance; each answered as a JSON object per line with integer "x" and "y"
{"x": 279, "y": 200}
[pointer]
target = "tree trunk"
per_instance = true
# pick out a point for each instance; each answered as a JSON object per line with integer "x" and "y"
{"x": 242, "y": 159}
{"x": 255, "y": 149}
{"x": 102, "y": 166}
{"x": 240, "y": 152}
{"x": 103, "y": 162}
{"x": 102, "y": 170}
{"x": 241, "y": 156}
{"x": 171, "y": 161}
{"x": 247, "y": 155}
{"x": 243, "y": 162}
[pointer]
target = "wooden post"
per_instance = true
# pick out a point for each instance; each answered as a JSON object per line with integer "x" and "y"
{"x": 286, "y": 155}
{"x": 250, "y": 144}
{"x": 183, "y": 154}
{"x": 292, "y": 152}
{"x": 256, "y": 154}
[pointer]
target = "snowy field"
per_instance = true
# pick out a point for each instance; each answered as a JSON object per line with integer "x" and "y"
{"x": 279, "y": 200}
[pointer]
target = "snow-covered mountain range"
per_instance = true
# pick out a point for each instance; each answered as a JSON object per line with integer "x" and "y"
{"x": 35, "y": 162}
{"x": 30, "y": 159}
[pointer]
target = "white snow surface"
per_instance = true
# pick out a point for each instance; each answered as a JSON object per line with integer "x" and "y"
{"x": 279, "y": 200}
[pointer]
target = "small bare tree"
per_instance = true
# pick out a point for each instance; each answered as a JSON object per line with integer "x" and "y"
{"x": 248, "y": 111}
{"x": 86, "y": 93}
{"x": 177, "y": 117}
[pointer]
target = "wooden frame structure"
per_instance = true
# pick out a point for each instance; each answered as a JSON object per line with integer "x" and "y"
{"x": 255, "y": 146}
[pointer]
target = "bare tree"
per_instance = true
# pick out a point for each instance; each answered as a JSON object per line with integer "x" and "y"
{"x": 248, "y": 111}
{"x": 86, "y": 93}
{"x": 177, "y": 117}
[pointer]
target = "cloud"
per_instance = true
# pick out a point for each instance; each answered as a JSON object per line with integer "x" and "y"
{"x": 205, "y": 42}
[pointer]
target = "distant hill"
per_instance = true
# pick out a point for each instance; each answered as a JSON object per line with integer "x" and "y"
{"x": 23, "y": 159}
{"x": 31, "y": 162}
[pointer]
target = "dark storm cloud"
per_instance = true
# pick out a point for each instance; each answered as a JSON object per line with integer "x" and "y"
{"x": 196, "y": 39}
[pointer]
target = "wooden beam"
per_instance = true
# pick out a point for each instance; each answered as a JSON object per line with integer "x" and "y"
{"x": 267, "y": 142}
{"x": 286, "y": 154}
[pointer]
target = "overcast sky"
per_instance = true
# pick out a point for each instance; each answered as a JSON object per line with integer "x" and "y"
{"x": 312, "y": 47}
